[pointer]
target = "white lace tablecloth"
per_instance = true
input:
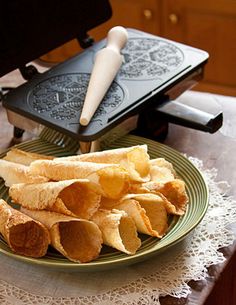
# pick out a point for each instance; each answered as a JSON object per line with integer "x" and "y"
{"x": 143, "y": 283}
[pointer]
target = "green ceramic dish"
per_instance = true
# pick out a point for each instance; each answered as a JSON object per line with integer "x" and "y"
{"x": 108, "y": 259}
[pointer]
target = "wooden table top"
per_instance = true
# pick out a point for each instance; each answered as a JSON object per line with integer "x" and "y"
{"x": 215, "y": 150}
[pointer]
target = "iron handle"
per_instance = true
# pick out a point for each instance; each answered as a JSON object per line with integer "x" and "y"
{"x": 184, "y": 115}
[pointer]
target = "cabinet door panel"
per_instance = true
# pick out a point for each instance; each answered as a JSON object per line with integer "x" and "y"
{"x": 209, "y": 26}
{"x": 215, "y": 34}
{"x": 139, "y": 14}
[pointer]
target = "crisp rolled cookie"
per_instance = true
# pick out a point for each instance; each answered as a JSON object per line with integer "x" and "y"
{"x": 13, "y": 173}
{"x": 24, "y": 157}
{"x": 148, "y": 212}
{"x": 135, "y": 159}
{"x": 173, "y": 192}
{"x": 24, "y": 235}
{"x": 118, "y": 230}
{"x": 113, "y": 179}
{"x": 79, "y": 198}
{"x": 77, "y": 239}
{"x": 161, "y": 170}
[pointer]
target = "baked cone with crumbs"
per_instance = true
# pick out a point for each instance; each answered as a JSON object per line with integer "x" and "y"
{"x": 118, "y": 230}
{"x": 79, "y": 240}
{"x": 148, "y": 212}
{"x": 17, "y": 155}
{"x": 113, "y": 179}
{"x": 13, "y": 173}
{"x": 24, "y": 235}
{"x": 134, "y": 159}
{"x": 78, "y": 198}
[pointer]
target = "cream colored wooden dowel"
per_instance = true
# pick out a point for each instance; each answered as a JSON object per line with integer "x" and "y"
{"x": 107, "y": 64}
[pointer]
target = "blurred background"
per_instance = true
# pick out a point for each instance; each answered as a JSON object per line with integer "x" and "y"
{"x": 206, "y": 24}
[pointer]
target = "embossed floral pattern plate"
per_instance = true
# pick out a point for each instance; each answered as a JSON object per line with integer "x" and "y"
{"x": 179, "y": 226}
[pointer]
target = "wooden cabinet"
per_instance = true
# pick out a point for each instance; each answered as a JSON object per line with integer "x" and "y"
{"x": 139, "y": 14}
{"x": 206, "y": 24}
{"x": 210, "y": 25}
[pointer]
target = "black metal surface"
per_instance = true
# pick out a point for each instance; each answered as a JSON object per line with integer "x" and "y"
{"x": 187, "y": 116}
{"x": 28, "y": 72}
{"x": 31, "y": 28}
{"x": 152, "y": 65}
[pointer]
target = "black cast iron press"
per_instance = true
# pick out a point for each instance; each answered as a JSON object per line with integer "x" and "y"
{"x": 155, "y": 71}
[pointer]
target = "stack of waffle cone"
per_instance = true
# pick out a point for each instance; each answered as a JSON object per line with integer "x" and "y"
{"x": 78, "y": 203}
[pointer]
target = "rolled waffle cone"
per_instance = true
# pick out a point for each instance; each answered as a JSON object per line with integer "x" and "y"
{"x": 118, "y": 230}
{"x": 112, "y": 178}
{"x": 153, "y": 188}
{"x": 24, "y": 235}
{"x": 173, "y": 192}
{"x": 135, "y": 159}
{"x": 108, "y": 203}
{"x": 161, "y": 170}
{"x": 24, "y": 157}
{"x": 148, "y": 212}
{"x": 77, "y": 239}
{"x": 12, "y": 173}
{"x": 79, "y": 198}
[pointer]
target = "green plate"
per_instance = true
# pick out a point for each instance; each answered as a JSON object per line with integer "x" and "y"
{"x": 179, "y": 226}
